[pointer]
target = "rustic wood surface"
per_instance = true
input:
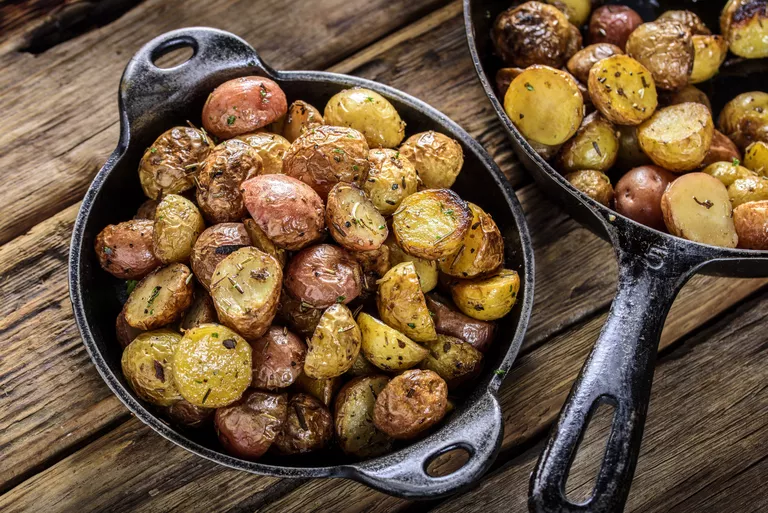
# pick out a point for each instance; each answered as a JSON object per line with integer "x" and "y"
{"x": 67, "y": 444}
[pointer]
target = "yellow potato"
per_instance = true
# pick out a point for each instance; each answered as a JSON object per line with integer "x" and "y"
{"x": 623, "y": 90}
{"x": 630, "y": 154}
{"x": 270, "y": 147}
{"x": 368, "y": 112}
{"x": 426, "y": 269}
{"x": 709, "y": 53}
{"x": 362, "y": 367}
{"x": 353, "y": 412}
{"x": 594, "y": 184}
{"x": 482, "y": 250}
{"x": 678, "y": 137}
{"x": 756, "y": 158}
{"x": 687, "y": 94}
{"x": 744, "y": 23}
{"x": 335, "y": 344}
{"x": 387, "y": 348}
{"x": 160, "y": 298}
{"x": 728, "y": 172}
{"x": 577, "y": 11}
{"x": 402, "y": 305}
{"x": 178, "y": 224}
{"x": 453, "y": 360}
{"x": 487, "y": 299}
{"x": 147, "y": 365}
{"x": 321, "y": 389}
{"x": 391, "y": 178}
{"x": 436, "y": 157}
{"x": 751, "y": 221}
{"x": 353, "y": 220}
{"x": 299, "y": 118}
{"x": 744, "y": 119}
{"x": 595, "y": 146}
{"x": 751, "y": 188}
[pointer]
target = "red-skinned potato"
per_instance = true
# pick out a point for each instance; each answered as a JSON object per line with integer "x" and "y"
{"x": 751, "y": 221}
{"x": 323, "y": 275}
{"x": 410, "y": 404}
{"x": 248, "y": 427}
{"x": 125, "y": 249}
{"x": 243, "y": 105}
{"x": 613, "y": 24}
{"x": 278, "y": 358}
{"x": 449, "y": 321}
{"x": 124, "y": 332}
{"x": 639, "y": 192}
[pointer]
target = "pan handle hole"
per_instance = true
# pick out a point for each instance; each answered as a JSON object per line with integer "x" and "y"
{"x": 173, "y": 53}
{"x": 447, "y": 461}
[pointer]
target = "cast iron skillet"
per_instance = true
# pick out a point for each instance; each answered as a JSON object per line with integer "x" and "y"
{"x": 653, "y": 266}
{"x": 154, "y": 99}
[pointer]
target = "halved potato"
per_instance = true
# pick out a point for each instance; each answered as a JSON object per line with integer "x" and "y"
{"x": 709, "y": 53}
{"x": 178, "y": 224}
{"x": 482, "y": 250}
{"x": 728, "y": 172}
{"x": 678, "y": 137}
{"x": 147, "y": 365}
{"x": 259, "y": 240}
{"x": 323, "y": 389}
{"x": 453, "y": 360}
{"x": 623, "y": 90}
{"x": 487, "y": 299}
{"x": 744, "y": 23}
{"x": 426, "y": 269}
{"x": 751, "y": 188}
{"x": 334, "y": 345}
{"x": 751, "y": 221}
{"x": 160, "y": 298}
{"x": 402, "y": 305}
{"x": 595, "y": 146}
{"x": 387, "y": 348}
{"x": 353, "y": 220}
{"x": 756, "y": 158}
{"x": 353, "y": 417}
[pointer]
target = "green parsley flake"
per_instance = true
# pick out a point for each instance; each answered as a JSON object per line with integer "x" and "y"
{"x": 130, "y": 285}
{"x": 528, "y": 86}
{"x": 411, "y": 325}
{"x": 231, "y": 120}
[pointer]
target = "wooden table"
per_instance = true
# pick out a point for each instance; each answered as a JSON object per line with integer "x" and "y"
{"x": 68, "y": 444}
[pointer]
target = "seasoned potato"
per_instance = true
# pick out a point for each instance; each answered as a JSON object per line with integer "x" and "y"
{"x": 301, "y": 116}
{"x": 545, "y": 104}
{"x": 487, "y": 299}
{"x": 124, "y": 332}
{"x": 308, "y": 427}
{"x": 436, "y": 157}
{"x": 369, "y": 113}
{"x": 245, "y": 288}
{"x": 574, "y": 42}
{"x": 270, "y": 147}
{"x": 630, "y": 154}
{"x": 504, "y": 77}
{"x": 334, "y": 345}
{"x": 639, "y": 192}
{"x": 387, "y": 348}
{"x": 401, "y": 303}
{"x": 391, "y": 178}
{"x": 410, "y": 404}
{"x": 580, "y": 64}
{"x": 278, "y": 358}
{"x": 595, "y": 146}
{"x": 243, "y": 105}
{"x": 688, "y": 19}
{"x": 751, "y": 188}
{"x": 170, "y": 165}
{"x": 353, "y": 414}
{"x": 744, "y": 119}
{"x": 482, "y": 250}
{"x": 125, "y": 249}
{"x": 709, "y": 54}
{"x": 577, "y": 11}
{"x": 453, "y": 360}
{"x": 213, "y": 246}
{"x": 478, "y": 334}
{"x": 744, "y": 23}
{"x": 200, "y": 312}
{"x": 687, "y": 94}
{"x": 325, "y": 155}
{"x": 666, "y": 49}
{"x": 353, "y": 220}
{"x": 147, "y": 365}
{"x": 532, "y": 33}
{"x": 362, "y": 367}
{"x": 160, "y": 298}
{"x": 247, "y": 428}
{"x": 323, "y": 275}
{"x": 212, "y": 366}
{"x": 178, "y": 224}
{"x": 751, "y": 222}
{"x": 324, "y": 390}
{"x": 756, "y": 158}
{"x": 613, "y": 24}
{"x": 186, "y": 415}
{"x": 678, "y": 137}
{"x": 722, "y": 149}
{"x": 696, "y": 207}
{"x": 300, "y": 316}
{"x": 221, "y": 174}
{"x": 431, "y": 224}
{"x": 146, "y": 210}
{"x": 288, "y": 211}
{"x": 623, "y": 90}
{"x": 594, "y": 184}
{"x": 426, "y": 269}
{"x": 728, "y": 172}
{"x": 259, "y": 240}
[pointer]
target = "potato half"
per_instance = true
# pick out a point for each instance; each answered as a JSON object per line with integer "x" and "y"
{"x": 353, "y": 220}
{"x": 745, "y": 119}
{"x": 744, "y": 23}
{"x": 170, "y": 165}
{"x": 426, "y": 269}
{"x": 402, "y": 305}
{"x": 178, "y": 224}
{"x": 353, "y": 416}
{"x": 147, "y": 365}
{"x": 387, "y": 348}
{"x": 259, "y": 240}
{"x": 300, "y": 117}
{"x": 482, "y": 250}
{"x": 334, "y": 345}
{"x": 756, "y": 158}
{"x": 487, "y": 299}
{"x": 323, "y": 390}
{"x": 577, "y": 11}
{"x": 595, "y": 146}
{"x": 710, "y": 52}
{"x": 581, "y": 63}
{"x": 728, "y": 172}
{"x": 678, "y": 137}
{"x": 160, "y": 298}
{"x": 623, "y": 90}
{"x": 270, "y": 147}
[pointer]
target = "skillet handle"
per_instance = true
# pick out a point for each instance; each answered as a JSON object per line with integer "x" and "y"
{"x": 619, "y": 372}
{"x": 477, "y": 430}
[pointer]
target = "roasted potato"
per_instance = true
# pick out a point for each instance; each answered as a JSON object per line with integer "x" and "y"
{"x": 147, "y": 365}
{"x": 374, "y": 263}
{"x": 577, "y": 11}
{"x": 248, "y": 428}
{"x": 630, "y": 154}
{"x": 744, "y": 119}
{"x": 688, "y": 19}
{"x": 221, "y": 175}
{"x": 728, "y": 172}
{"x": 595, "y": 146}
{"x": 243, "y": 105}
{"x": 678, "y": 137}
{"x": 335, "y": 344}
{"x": 453, "y": 360}
{"x": 353, "y": 414}
{"x": 574, "y": 42}
{"x": 410, "y": 404}
{"x": 391, "y": 178}
{"x": 287, "y": 210}
{"x": 666, "y": 49}
{"x": 324, "y": 390}
{"x": 125, "y": 249}
{"x": 301, "y": 116}
{"x": 212, "y": 366}
{"x": 594, "y": 184}
{"x": 426, "y": 269}
{"x": 186, "y": 415}
{"x": 308, "y": 427}
{"x": 751, "y": 222}
{"x": 323, "y": 275}
{"x": 369, "y": 113}
{"x": 200, "y": 312}
{"x": 213, "y": 246}
{"x": 300, "y": 316}
{"x": 178, "y": 224}
{"x": 387, "y": 348}
{"x": 581, "y": 63}
{"x": 504, "y": 77}
{"x": 431, "y": 224}
{"x": 751, "y": 188}
{"x": 278, "y": 358}
{"x": 756, "y": 158}
{"x": 160, "y": 298}
{"x": 259, "y": 240}
{"x": 401, "y": 303}
{"x": 545, "y": 104}
{"x": 722, "y": 149}
{"x": 362, "y": 367}
{"x": 744, "y": 23}
{"x": 245, "y": 288}
{"x": 688, "y": 94}
{"x": 639, "y": 192}
{"x": 709, "y": 55}
{"x": 532, "y": 33}
{"x": 353, "y": 220}
{"x": 487, "y": 299}
{"x": 482, "y": 250}
{"x": 696, "y": 207}
{"x": 270, "y": 147}
{"x": 478, "y": 334}
{"x": 170, "y": 165}
{"x": 623, "y": 90}
{"x": 146, "y": 210}
{"x": 325, "y": 155}
{"x": 124, "y": 332}
{"x": 436, "y": 157}
{"x": 613, "y": 24}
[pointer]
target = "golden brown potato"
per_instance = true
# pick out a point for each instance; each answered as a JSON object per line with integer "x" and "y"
{"x": 577, "y": 11}
{"x": 436, "y": 157}
{"x": 373, "y": 263}
{"x": 623, "y": 90}
{"x": 487, "y": 299}
{"x": 401, "y": 303}
{"x": 387, "y": 348}
{"x": 426, "y": 269}
{"x": 301, "y": 117}
{"x": 247, "y": 428}
{"x": 478, "y": 334}
{"x": 367, "y": 112}
{"x": 696, "y": 207}
{"x": 353, "y": 220}
{"x": 213, "y": 245}
{"x": 666, "y": 49}
{"x": 178, "y": 224}
{"x": 325, "y": 155}
{"x": 212, "y": 366}
{"x": 744, "y": 23}
{"x": 278, "y": 358}
{"x": 595, "y": 146}
{"x": 709, "y": 54}
{"x": 323, "y": 390}
{"x": 391, "y": 178}
{"x": 125, "y": 249}
{"x": 751, "y": 188}
{"x": 545, "y": 104}
{"x": 639, "y": 192}
{"x": 751, "y": 222}
{"x": 678, "y": 137}
{"x": 722, "y": 149}
{"x": 532, "y": 33}
{"x": 200, "y": 312}
{"x": 187, "y": 415}
{"x": 148, "y": 369}
{"x": 160, "y": 298}
{"x": 353, "y": 414}
{"x": 124, "y": 332}
{"x": 756, "y": 158}
{"x": 580, "y": 64}
{"x": 687, "y": 94}
{"x": 728, "y": 172}
{"x": 744, "y": 119}
{"x": 308, "y": 427}
{"x": 410, "y": 404}
{"x": 594, "y": 184}
{"x": 323, "y": 275}
{"x": 270, "y": 147}
{"x": 146, "y": 210}
{"x": 300, "y": 316}
{"x": 335, "y": 344}
{"x": 688, "y": 19}
{"x": 453, "y": 360}
{"x": 259, "y": 240}
{"x": 482, "y": 250}
{"x": 243, "y": 105}
{"x": 170, "y": 165}
{"x": 613, "y": 24}
{"x": 630, "y": 154}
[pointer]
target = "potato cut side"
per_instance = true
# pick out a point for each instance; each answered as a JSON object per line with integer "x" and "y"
{"x": 482, "y": 250}
{"x": 678, "y": 137}
{"x": 353, "y": 220}
{"x": 426, "y": 269}
{"x": 402, "y": 305}
{"x": 387, "y": 348}
{"x": 353, "y": 413}
{"x": 745, "y": 24}
{"x": 335, "y": 344}
{"x": 709, "y": 54}
{"x": 160, "y": 298}
{"x": 623, "y": 90}
{"x": 487, "y": 299}
{"x": 260, "y": 241}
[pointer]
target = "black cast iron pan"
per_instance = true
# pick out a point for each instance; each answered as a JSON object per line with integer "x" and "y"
{"x": 653, "y": 267}
{"x": 154, "y": 99}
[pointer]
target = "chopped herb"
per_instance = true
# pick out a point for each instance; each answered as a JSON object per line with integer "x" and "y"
{"x": 153, "y": 295}
{"x": 381, "y": 227}
{"x": 355, "y": 168}
{"x": 706, "y": 203}
{"x": 338, "y": 150}
{"x": 390, "y": 202}
{"x": 529, "y": 86}
{"x": 597, "y": 148}
{"x": 394, "y": 186}
{"x": 215, "y": 335}
{"x": 130, "y": 285}
{"x": 231, "y": 120}
{"x": 448, "y": 212}
{"x": 153, "y": 150}
{"x": 499, "y": 372}
{"x": 369, "y": 99}
{"x": 107, "y": 250}
{"x": 411, "y": 325}
{"x": 207, "y": 393}
{"x": 341, "y": 299}
{"x": 189, "y": 278}
{"x": 736, "y": 162}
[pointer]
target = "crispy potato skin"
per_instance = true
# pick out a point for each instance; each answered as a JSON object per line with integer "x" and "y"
{"x": 487, "y": 299}
{"x": 756, "y": 158}
{"x": 709, "y": 54}
{"x": 323, "y": 275}
{"x": 751, "y": 221}
{"x": 352, "y": 413}
{"x": 259, "y": 240}
{"x": 391, "y": 178}
{"x": 361, "y": 367}
{"x": 187, "y": 415}
{"x": 532, "y": 33}
{"x": 639, "y": 192}
{"x": 745, "y": 119}
{"x": 410, "y": 404}
{"x": 666, "y": 49}
{"x": 623, "y": 90}
{"x": 299, "y": 316}
{"x": 436, "y": 157}
{"x": 288, "y": 211}
{"x": 727, "y": 172}
{"x": 148, "y": 367}
{"x": 678, "y": 137}
{"x": 160, "y": 298}
{"x": 335, "y": 344}
{"x": 453, "y": 360}
{"x": 353, "y": 220}
{"x": 482, "y": 250}
{"x": 213, "y": 246}
{"x": 323, "y": 390}
{"x": 594, "y": 184}
{"x": 374, "y": 264}
{"x": 367, "y": 112}
{"x": 247, "y": 428}
{"x": 308, "y": 427}
{"x": 743, "y": 23}
{"x": 243, "y": 105}
{"x": 277, "y": 358}
{"x": 751, "y": 188}
{"x": 386, "y": 347}
{"x": 200, "y": 312}
{"x": 479, "y": 334}
{"x": 325, "y": 155}
{"x": 178, "y": 224}
{"x": 426, "y": 269}
{"x": 401, "y": 303}
{"x": 169, "y": 166}
{"x": 722, "y": 149}
{"x": 301, "y": 116}
{"x": 613, "y": 24}
{"x": 125, "y": 249}
{"x": 688, "y": 19}
{"x": 124, "y": 332}
{"x": 595, "y": 146}
{"x": 270, "y": 147}
{"x": 580, "y": 64}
